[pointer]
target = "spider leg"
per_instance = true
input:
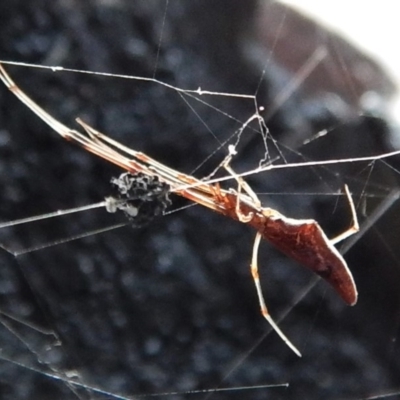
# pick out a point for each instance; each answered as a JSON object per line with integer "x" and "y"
{"x": 242, "y": 184}
{"x": 355, "y": 227}
{"x": 111, "y": 150}
{"x": 88, "y": 143}
{"x": 264, "y": 310}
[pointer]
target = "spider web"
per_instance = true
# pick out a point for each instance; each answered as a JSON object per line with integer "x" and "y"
{"x": 171, "y": 308}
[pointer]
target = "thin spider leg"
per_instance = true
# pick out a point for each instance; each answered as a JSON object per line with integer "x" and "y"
{"x": 264, "y": 310}
{"x": 63, "y": 130}
{"x": 355, "y": 227}
{"x": 227, "y": 165}
{"x": 245, "y": 218}
{"x": 242, "y": 184}
{"x": 159, "y": 168}
{"x": 99, "y": 149}
{"x": 95, "y": 137}
{"x": 180, "y": 183}
{"x": 245, "y": 186}
{"x": 95, "y": 140}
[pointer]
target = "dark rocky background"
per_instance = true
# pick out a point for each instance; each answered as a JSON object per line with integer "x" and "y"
{"x": 171, "y": 307}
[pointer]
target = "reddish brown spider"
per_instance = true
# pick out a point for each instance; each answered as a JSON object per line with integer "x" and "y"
{"x": 301, "y": 239}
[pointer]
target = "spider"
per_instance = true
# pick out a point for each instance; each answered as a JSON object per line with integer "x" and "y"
{"x": 301, "y": 239}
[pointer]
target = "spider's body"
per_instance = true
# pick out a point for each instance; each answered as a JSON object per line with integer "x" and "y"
{"x": 142, "y": 193}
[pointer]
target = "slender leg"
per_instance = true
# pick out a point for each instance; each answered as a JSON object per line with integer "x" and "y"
{"x": 242, "y": 184}
{"x": 264, "y": 310}
{"x": 355, "y": 227}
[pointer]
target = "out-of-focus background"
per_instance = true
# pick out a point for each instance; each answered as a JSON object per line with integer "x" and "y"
{"x": 372, "y": 29}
